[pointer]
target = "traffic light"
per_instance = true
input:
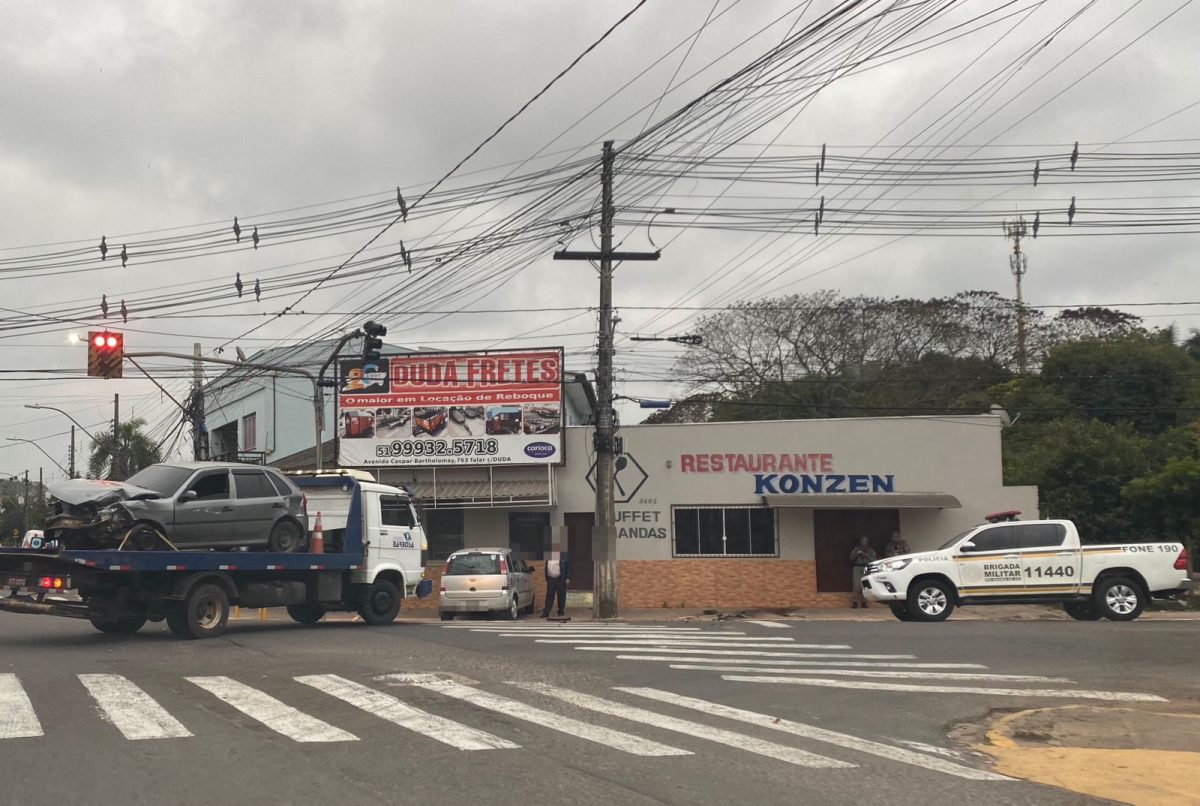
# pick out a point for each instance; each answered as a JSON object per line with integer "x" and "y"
{"x": 106, "y": 353}
{"x": 373, "y": 334}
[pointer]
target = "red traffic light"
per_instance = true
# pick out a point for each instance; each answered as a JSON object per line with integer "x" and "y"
{"x": 111, "y": 341}
{"x": 99, "y": 340}
{"x": 106, "y": 352}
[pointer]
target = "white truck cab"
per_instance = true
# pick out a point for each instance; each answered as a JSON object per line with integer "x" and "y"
{"x": 1006, "y": 561}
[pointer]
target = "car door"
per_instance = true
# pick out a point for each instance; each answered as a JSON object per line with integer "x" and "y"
{"x": 519, "y": 579}
{"x": 396, "y": 538}
{"x": 207, "y": 518}
{"x": 1049, "y": 567}
{"x": 256, "y": 505}
{"x": 989, "y": 563}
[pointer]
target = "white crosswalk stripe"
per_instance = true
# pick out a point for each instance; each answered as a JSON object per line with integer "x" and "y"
{"x": 1008, "y": 678}
{"x": 751, "y": 744}
{"x": 818, "y": 734}
{"x": 134, "y": 712}
{"x": 584, "y": 627}
{"x": 385, "y": 706}
{"x": 851, "y": 659}
{"x": 1079, "y": 694}
{"x": 702, "y": 656}
{"x": 779, "y": 625}
{"x": 608, "y": 737}
{"x": 17, "y": 719}
{"x": 755, "y": 644}
{"x": 276, "y": 715}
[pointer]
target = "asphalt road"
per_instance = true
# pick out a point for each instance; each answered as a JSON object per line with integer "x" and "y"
{"x": 278, "y": 713}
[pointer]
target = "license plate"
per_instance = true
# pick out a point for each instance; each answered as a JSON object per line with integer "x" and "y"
{"x": 15, "y": 582}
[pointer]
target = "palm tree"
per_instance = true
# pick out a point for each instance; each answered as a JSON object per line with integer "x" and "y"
{"x": 119, "y": 457}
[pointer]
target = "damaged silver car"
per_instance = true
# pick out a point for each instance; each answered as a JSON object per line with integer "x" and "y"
{"x": 181, "y": 505}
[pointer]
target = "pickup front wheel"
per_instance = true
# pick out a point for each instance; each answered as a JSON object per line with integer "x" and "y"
{"x": 1119, "y": 599}
{"x": 930, "y": 600}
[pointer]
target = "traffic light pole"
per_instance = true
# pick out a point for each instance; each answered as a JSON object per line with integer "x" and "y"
{"x": 604, "y": 535}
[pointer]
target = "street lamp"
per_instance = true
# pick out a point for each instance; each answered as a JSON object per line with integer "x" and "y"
{"x": 40, "y": 448}
{"x": 70, "y": 474}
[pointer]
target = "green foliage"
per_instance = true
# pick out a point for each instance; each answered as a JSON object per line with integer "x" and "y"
{"x": 118, "y": 458}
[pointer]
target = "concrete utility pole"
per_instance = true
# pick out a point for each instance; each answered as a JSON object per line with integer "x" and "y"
{"x": 1019, "y": 264}
{"x": 25, "y": 516}
{"x": 604, "y": 533}
{"x": 199, "y": 435}
{"x": 116, "y": 457}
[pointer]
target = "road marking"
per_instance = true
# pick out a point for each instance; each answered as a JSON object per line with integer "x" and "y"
{"x": 679, "y": 642}
{"x": 681, "y": 647}
{"x": 131, "y": 710}
{"x": 17, "y": 719}
{"x": 277, "y": 716}
{"x": 931, "y": 748}
{"x": 1010, "y": 678}
{"x": 844, "y": 740}
{"x": 779, "y": 625}
{"x": 385, "y": 706}
{"x": 689, "y": 656}
{"x": 608, "y": 737}
{"x": 768, "y": 640}
{"x": 730, "y": 738}
{"x": 549, "y": 626}
{"x": 1076, "y": 694}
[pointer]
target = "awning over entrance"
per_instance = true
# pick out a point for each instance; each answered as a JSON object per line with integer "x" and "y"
{"x": 865, "y": 501}
{"x": 482, "y": 493}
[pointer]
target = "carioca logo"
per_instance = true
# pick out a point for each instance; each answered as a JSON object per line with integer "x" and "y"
{"x": 539, "y": 450}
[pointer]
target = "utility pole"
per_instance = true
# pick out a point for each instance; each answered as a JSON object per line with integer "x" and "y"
{"x": 1019, "y": 264}
{"x": 116, "y": 457}
{"x": 71, "y": 469}
{"x": 605, "y": 443}
{"x": 25, "y": 516}
{"x": 199, "y": 435}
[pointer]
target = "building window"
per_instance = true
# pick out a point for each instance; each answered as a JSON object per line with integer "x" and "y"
{"x": 444, "y": 531}
{"x": 724, "y": 532}
{"x": 529, "y": 534}
{"x": 249, "y": 433}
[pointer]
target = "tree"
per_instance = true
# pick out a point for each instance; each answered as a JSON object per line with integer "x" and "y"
{"x": 119, "y": 457}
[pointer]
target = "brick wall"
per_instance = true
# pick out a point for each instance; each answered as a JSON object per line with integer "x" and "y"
{"x": 706, "y": 583}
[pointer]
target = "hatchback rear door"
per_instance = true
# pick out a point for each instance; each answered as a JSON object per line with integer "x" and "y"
{"x": 258, "y": 505}
{"x": 474, "y": 575}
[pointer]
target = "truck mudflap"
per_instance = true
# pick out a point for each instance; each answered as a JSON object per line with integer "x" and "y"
{"x": 424, "y": 588}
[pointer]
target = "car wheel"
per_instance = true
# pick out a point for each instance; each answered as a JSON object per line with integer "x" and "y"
{"x": 307, "y": 613}
{"x": 930, "y": 600}
{"x": 514, "y": 609}
{"x": 203, "y": 614}
{"x": 285, "y": 537}
{"x": 125, "y": 624}
{"x": 901, "y": 612}
{"x": 1119, "y": 599}
{"x": 1082, "y": 611}
{"x": 144, "y": 537}
{"x": 447, "y": 616}
{"x": 381, "y": 605}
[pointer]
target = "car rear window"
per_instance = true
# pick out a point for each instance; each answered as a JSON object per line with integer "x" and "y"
{"x": 280, "y": 485}
{"x": 478, "y": 564}
{"x": 252, "y": 484}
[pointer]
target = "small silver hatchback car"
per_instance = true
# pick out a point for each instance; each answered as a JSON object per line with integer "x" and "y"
{"x": 486, "y": 580}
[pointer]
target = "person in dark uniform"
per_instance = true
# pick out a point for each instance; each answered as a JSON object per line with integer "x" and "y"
{"x": 896, "y": 546}
{"x": 558, "y": 572}
{"x": 862, "y": 556}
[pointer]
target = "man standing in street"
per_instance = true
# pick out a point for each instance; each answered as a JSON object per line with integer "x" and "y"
{"x": 862, "y": 556}
{"x": 558, "y": 572}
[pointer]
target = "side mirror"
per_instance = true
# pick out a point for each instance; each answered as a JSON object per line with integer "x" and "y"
{"x": 190, "y": 495}
{"x": 967, "y": 547}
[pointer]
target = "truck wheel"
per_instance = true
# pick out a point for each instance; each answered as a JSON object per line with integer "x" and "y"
{"x": 1119, "y": 599}
{"x": 203, "y": 614}
{"x": 308, "y": 613}
{"x": 381, "y": 604}
{"x": 930, "y": 600}
{"x": 1082, "y": 611}
{"x": 285, "y": 537}
{"x": 126, "y": 624}
{"x": 901, "y": 612}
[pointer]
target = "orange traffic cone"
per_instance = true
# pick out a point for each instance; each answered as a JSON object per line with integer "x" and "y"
{"x": 316, "y": 541}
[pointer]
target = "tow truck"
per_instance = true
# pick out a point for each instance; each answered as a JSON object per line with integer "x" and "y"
{"x": 374, "y": 557}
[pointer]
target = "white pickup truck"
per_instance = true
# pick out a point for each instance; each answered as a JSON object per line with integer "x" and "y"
{"x": 1010, "y": 562}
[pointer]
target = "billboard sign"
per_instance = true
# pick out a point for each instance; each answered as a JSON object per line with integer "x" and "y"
{"x": 441, "y": 409}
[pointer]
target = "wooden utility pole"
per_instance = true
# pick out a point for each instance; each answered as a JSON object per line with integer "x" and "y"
{"x": 604, "y": 533}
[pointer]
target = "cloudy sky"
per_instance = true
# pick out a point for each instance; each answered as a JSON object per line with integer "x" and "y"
{"x": 144, "y": 122}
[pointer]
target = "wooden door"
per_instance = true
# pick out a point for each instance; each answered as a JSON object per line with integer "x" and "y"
{"x": 579, "y": 548}
{"x": 835, "y": 533}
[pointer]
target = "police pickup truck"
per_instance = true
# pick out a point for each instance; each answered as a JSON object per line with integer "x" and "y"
{"x": 1006, "y": 561}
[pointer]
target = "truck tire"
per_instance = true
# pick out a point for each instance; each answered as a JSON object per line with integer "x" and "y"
{"x": 286, "y": 537}
{"x": 308, "y": 613}
{"x": 203, "y": 614}
{"x": 1119, "y": 599}
{"x": 1082, "y": 611}
{"x": 381, "y": 605}
{"x": 930, "y": 600}
{"x": 901, "y": 612}
{"x": 125, "y": 624}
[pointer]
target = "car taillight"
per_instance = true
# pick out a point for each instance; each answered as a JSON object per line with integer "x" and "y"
{"x": 503, "y": 566}
{"x": 51, "y": 583}
{"x": 1181, "y": 562}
